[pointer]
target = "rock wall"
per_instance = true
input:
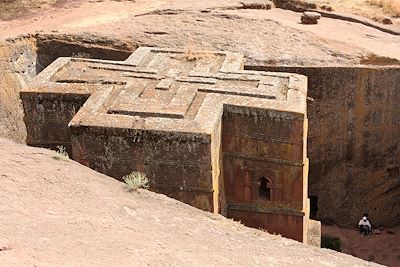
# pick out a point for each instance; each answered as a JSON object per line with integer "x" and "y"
{"x": 354, "y": 142}
{"x": 177, "y": 164}
{"x": 17, "y": 67}
{"x": 51, "y": 47}
{"x": 47, "y": 117}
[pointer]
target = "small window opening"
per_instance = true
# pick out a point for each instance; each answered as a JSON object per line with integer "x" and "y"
{"x": 264, "y": 190}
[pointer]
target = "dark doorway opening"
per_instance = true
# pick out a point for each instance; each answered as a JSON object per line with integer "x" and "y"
{"x": 264, "y": 192}
{"x": 313, "y": 207}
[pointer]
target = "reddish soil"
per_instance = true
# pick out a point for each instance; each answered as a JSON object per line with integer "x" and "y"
{"x": 382, "y": 247}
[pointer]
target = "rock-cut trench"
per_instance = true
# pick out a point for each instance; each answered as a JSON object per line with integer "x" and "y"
{"x": 353, "y": 112}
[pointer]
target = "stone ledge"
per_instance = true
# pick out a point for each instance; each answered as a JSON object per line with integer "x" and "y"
{"x": 261, "y": 209}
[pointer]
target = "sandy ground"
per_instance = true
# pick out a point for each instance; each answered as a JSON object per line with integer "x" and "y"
{"x": 56, "y": 212}
{"x": 382, "y": 247}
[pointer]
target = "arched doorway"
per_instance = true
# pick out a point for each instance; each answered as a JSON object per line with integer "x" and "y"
{"x": 264, "y": 190}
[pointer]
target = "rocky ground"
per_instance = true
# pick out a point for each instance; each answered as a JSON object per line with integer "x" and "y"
{"x": 266, "y": 35}
{"x": 57, "y": 212}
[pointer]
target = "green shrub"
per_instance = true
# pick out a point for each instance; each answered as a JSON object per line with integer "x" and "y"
{"x": 62, "y": 153}
{"x": 331, "y": 243}
{"x": 136, "y": 180}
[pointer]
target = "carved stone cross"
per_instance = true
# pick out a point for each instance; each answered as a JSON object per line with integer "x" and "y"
{"x": 156, "y": 84}
{"x": 204, "y": 130}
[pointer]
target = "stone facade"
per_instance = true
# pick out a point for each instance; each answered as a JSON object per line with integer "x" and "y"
{"x": 202, "y": 129}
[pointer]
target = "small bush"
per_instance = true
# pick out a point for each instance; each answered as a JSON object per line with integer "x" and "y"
{"x": 136, "y": 180}
{"x": 331, "y": 243}
{"x": 62, "y": 153}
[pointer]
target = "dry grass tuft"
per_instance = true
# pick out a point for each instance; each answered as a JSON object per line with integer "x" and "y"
{"x": 10, "y": 9}
{"x": 391, "y": 7}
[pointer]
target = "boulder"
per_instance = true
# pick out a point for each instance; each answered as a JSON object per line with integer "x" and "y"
{"x": 309, "y": 17}
{"x": 387, "y": 20}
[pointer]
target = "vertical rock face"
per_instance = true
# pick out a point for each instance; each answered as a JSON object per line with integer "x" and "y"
{"x": 354, "y": 142}
{"x": 51, "y": 47}
{"x": 356, "y": 146}
{"x": 17, "y": 67}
